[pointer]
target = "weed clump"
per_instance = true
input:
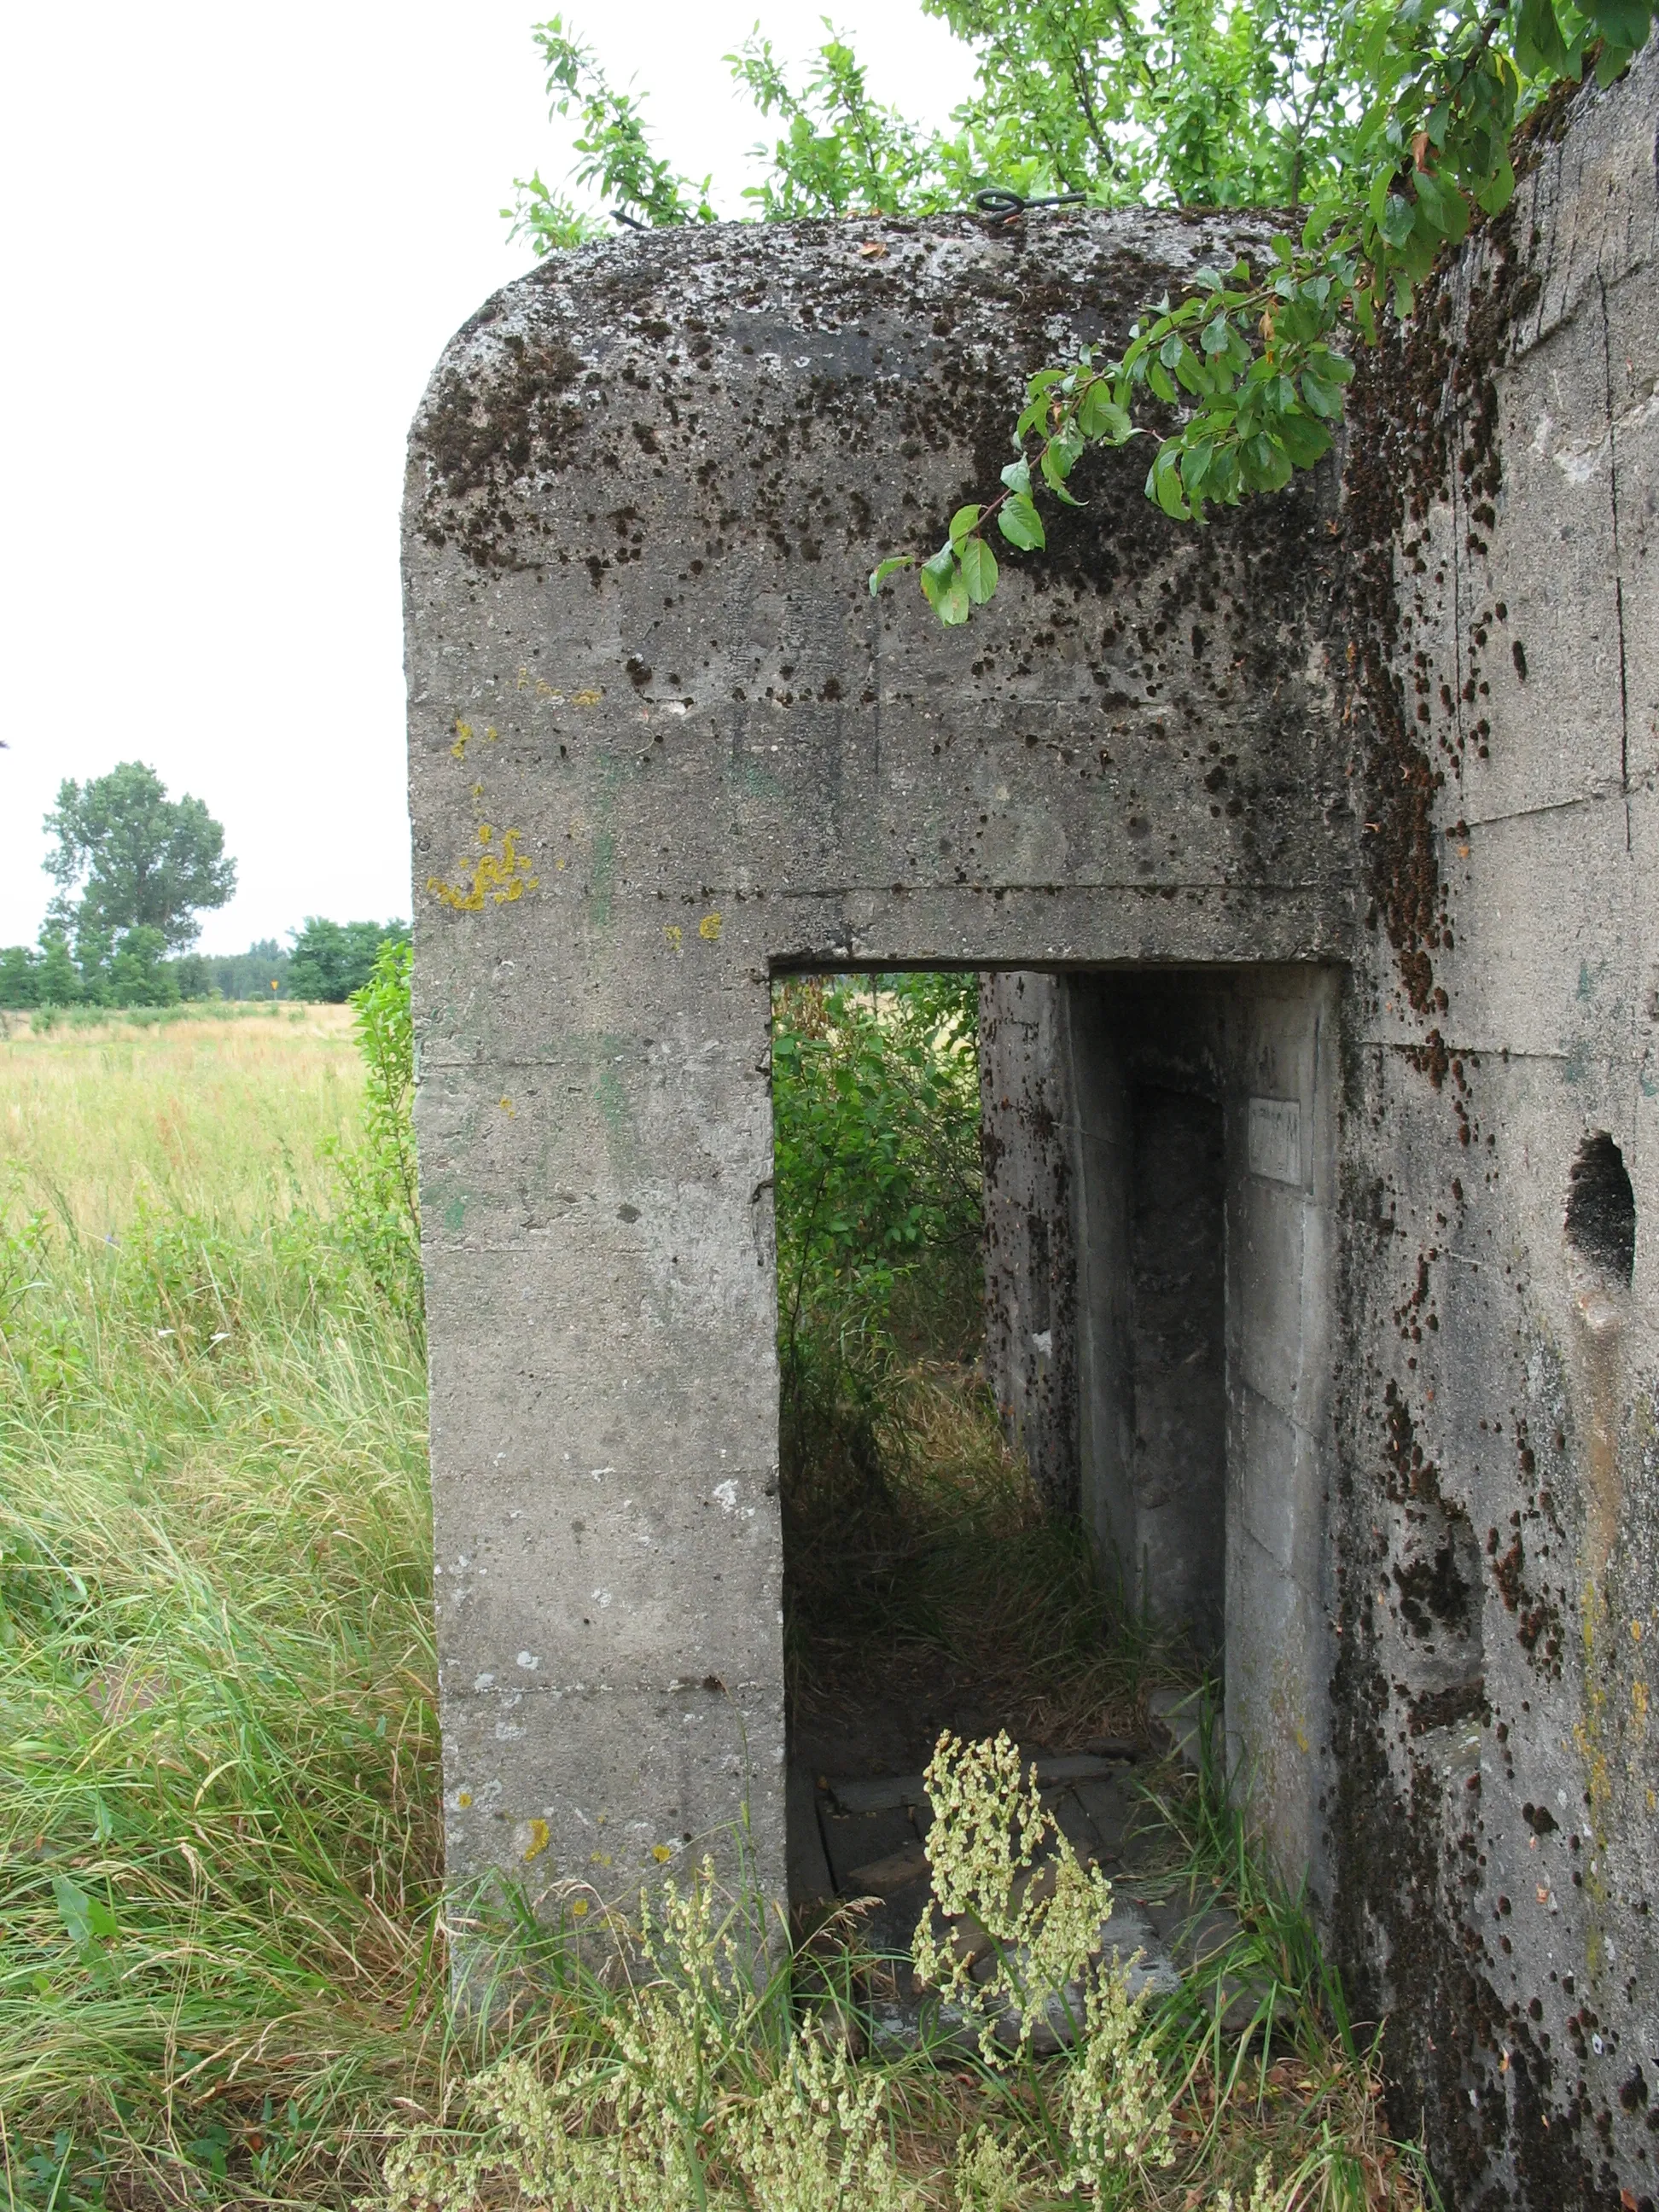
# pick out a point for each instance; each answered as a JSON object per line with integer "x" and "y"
{"x": 988, "y": 1827}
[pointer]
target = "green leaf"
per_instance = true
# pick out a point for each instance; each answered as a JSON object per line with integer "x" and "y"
{"x": 891, "y": 567}
{"x": 1435, "y": 200}
{"x": 1303, "y": 439}
{"x": 1622, "y": 23}
{"x": 1539, "y": 44}
{"x": 1495, "y": 195}
{"x": 1324, "y": 398}
{"x": 1056, "y": 465}
{"x": 953, "y": 605}
{"x": 1322, "y": 215}
{"x": 937, "y": 573}
{"x": 1398, "y": 218}
{"x": 1163, "y": 483}
{"x": 1196, "y": 462}
{"x": 1101, "y": 419}
{"x": 1018, "y": 476}
{"x": 1191, "y": 371}
{"x": 979, "y": 569}
{"x": 1157, "y": 377}
{"x": 1021, "y": 525}
{"x": 964, "y": 519}
{"x": 83, "y": 1917}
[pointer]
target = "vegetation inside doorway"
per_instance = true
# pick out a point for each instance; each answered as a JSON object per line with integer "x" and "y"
{"x": 925, "y": 1588}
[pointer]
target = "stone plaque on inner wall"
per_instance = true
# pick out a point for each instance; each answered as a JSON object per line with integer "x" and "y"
{"x": 1276, "y": 1138}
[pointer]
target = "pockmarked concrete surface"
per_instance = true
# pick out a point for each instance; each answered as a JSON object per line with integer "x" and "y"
{"x": 1331, "y": 825}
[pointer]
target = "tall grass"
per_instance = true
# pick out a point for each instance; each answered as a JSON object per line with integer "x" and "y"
{"x": 223, "y": 1970}
{"x": 228, "y": 1119}
{"x": 219, "y": 1836}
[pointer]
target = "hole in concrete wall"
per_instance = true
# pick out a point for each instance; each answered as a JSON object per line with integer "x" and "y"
{"x": 1602, "y": 1208}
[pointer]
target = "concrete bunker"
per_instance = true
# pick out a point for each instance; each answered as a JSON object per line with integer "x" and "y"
{"x": 1274, "y": 815}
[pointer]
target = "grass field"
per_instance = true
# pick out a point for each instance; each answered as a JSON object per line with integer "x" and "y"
{"x": 223, "y": 1113}
{"x": 223, "y": 1963}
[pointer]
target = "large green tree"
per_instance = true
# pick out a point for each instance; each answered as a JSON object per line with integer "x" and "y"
{"x": 332, "y": 959}
{"x": 134, "y": 868}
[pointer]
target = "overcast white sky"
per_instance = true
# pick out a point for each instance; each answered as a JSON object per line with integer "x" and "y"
{"x": 235, "y": 241}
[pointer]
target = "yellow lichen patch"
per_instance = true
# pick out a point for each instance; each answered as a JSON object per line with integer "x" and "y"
{"x": 538, "y": 1843}
{"x": 662, "y": 1853}
{"x": 462, "y": 738}
{"x": 498, "y": 877}
{"x": 674, "y": 935}
{"x": 463, "y": 1799}
{"x": 709, "y": 926}
{"x": 579, "y": 1909}
{"x": 509, "y": 1109}
{"x": 585, "y": 698}
{"x": 1638, "y": 1702}
{"x": 540, "y": 687}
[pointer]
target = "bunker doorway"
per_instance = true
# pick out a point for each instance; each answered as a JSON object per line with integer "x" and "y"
{"x": 1053, "y": 1293}
{"x": 905, "y": 1511}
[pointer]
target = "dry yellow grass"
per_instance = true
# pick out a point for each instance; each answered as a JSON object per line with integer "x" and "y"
{"x": 221, "y": 1114}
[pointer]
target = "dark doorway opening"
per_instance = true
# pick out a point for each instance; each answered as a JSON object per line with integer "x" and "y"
{"x": 932, "y": 1584}
{"x": 1054, "y": 1444}
{"x": 1177, "y": 1175}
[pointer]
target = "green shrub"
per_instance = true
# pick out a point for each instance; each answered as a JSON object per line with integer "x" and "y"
{"x": 380, "y": 1218}
{"x": 875, "y": 1089}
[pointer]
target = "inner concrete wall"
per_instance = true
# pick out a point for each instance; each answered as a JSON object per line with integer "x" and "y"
{"x": 1187, "y": 1122}
{"x": 1394, "y": 735}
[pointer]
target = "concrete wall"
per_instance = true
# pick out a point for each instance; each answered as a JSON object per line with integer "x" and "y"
{"x": 1493, "y": 1829}
{"x": 1035, "y": 1230}
{"x": 1379, "y": 758}
{"x": 1441, "y": 1567}
{"x": 662, "y": 743}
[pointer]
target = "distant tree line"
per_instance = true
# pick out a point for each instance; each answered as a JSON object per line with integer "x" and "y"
{"x": 327, "y": 961}
{"x": 134, "y": 870}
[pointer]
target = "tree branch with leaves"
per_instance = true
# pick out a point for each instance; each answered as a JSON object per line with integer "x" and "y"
{"x": 1393, "y": 118}
{"x": 1258, "y": 360}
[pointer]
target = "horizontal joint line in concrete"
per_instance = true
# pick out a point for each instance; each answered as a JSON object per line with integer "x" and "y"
{"x": 1596, "y": 796}
{"x": 1143, "y": 887}
{"x": 1520, "y": 1055}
